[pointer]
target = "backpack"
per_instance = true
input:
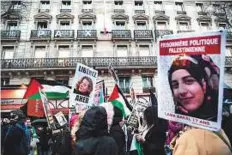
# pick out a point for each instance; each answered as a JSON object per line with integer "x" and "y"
{"x": 23, "y": 147}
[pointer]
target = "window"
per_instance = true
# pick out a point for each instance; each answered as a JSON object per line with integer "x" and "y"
{"x": 222, "y": 25}
{"x": 16, "y": 5}
{"x": 65, "y": 25}
{"x": 144, "y": 50}
{"x": 138, "y": 3}
{"x": 161, "y": 26}
{"x": 66, "y": 3}
{"x": 44, "y": 4}
{"x": 63, "y": 80}
{"x": 12, "y": 25}
{"x": 5, "y": 81}
{"x": 40, "y": 52}
{"x": 179, "y": 6}
{"x": 120, "y": 25}
{"x": 147, "y": 83}
{"x": 87, "y": 5}
{"x": 124, "y": 83}
{"x": 87, "y": 2}
{"x": 204, "y": 26}
{"x": 87, "y": 51}
{"x": 141, "y": 25}
{"x": 8, "y": 52}
{"x": 122, "y": 51}
{"x": 64, "y": 51}
{"x": 199, "y": 7}
{"x": 228, "y": 51}
{"x": 120, "y": 3}
{"x": 42, "y": 25}
{"x": 87, "y": 25}
{"x": 183, "y": 26}
{"x": 158, "y": 5}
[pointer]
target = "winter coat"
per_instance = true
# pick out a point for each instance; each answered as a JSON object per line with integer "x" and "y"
{"x": 154, "y": 141}
{"x": 93, "y": 137}
{"x": 201, "y": 142}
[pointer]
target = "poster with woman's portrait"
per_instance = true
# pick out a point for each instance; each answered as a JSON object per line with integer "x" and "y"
{"x": 99, "y": 96}
{"x": 83, "y": 87}
{"x": 190, "y": 78}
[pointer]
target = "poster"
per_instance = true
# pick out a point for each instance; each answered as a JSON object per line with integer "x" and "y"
{"x": 83, "y": 87}
{"x": 99, "y": 96}
{"x": 61, "y": 119}
{"x": 190, "y": 74}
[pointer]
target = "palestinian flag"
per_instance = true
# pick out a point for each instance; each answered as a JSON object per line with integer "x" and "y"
{"x": 118, "y": 99}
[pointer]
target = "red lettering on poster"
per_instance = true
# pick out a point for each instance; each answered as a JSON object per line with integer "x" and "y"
{"x": 190, "y": 46}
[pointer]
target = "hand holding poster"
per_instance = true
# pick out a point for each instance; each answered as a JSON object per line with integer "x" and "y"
{"x": 83, "y": 87}
{"x": 190, "y": 72}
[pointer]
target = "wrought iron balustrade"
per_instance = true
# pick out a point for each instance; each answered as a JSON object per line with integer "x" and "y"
{"x": 185, "y": 31}
{"x": 65, "y": 10}
{"x": 202, "y": 13}
{"x": 181, "y": 12}
{"x": 229, "y": 35}
{"x": 139, "y": 11}
{"x": 119, "y": 11}
{"x": 159, "y": 12}
{"x": 121, "y": 34}
{"x": 10, "y": 34}
{"x": 160, "y": 33}
{"x": 59, "y": 63}
{"x": 143, "y": 34}
{"x": 87, "y": 10}
{"x": 64, "y": 34}
{"x": 41, "y": 34}
{"x": 86, "y": 34}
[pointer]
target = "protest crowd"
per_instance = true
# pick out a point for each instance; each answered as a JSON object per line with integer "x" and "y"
{"x": 115, "y": 126}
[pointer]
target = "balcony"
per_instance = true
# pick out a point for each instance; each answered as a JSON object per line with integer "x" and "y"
{"x": 41, "y": 34}
{"x": 64, "y": 34}
{"x": 119, "y": 11}
{"x": 125, "y": 90}
{"x": 159, "y": 12}
{"x": 143, "y": 34}
{"x": 185, "y": 31}
{"x": 147, "y": 89}
{"x": 86, "y": 34}
{"x": 10, "y": 35}
{"x": 139, "y": 11}
{"x": 202, "y": 13}
{"x": 161, "y": 33}
{"x": 181, "y": 12}
{"x": 65, "y": 10}
{"x": 98, "y": 62}
{"x": 64, "y": 63}
{"x": 121, "y": 34}
{"x": 229, "y": 35}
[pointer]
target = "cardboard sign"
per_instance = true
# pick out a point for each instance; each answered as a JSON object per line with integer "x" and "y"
{"x": 83, "y": 87}
{"x": 190, "y": 75}
{"x": 61, "y": 119}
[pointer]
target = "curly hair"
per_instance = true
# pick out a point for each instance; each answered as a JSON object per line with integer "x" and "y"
{"x": 90, "y": 86}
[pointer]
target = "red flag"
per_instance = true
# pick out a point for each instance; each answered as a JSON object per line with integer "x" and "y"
{"x": 35, "y": 108}
{"x": 33, "y": 89}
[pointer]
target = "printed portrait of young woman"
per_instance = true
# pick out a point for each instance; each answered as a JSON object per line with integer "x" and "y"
{"x": 194, "y": 82}
{"x": 84, "y": 86}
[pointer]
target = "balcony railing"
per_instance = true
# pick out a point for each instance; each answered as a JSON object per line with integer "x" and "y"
{"x": 119, "y": 11}
{"x": 147, "y": 89}
{"x": 181, "y": 12}
{"x": 202, "y": 13}
{"x": 139, "y": 11}
{"x": 10, "y": 34}
{"x": 121, "y": 34}
{"x": 86, "y": 34}
{"x": 160, "y": 33}
{"x": 143, "y": 34}
{"x": 185, "y": 31}
{"x": 56, "y": 63}
{"x": 125, "y": 90}
{"x": 62, "y": 63}
{"x": 229, "y": 35}
{"x": 65, "y": 10}
{"x": 41, "y": 34}
{"x": 87, "y": 10}
{"x": 64, "y": 34}
{"x": 159, "y": 12}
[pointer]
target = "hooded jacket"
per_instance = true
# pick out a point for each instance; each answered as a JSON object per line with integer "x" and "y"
{"x": 93, "y": 137}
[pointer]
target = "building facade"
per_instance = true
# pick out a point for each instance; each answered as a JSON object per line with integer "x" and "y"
{"x": 53, "y": 35}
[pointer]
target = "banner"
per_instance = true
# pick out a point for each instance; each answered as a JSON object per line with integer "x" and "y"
{"x": 99, "y": 96}
{"x": 191, "y": 73}
{"x": 83, "y": 87}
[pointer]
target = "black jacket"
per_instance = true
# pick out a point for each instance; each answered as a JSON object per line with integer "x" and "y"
{"x": 154, "y": 142}
{"x": 118, "y": 135}
{"x": 93, "y": 137}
